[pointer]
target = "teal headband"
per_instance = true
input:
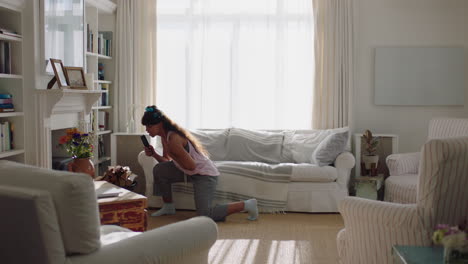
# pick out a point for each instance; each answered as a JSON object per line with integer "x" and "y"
{"x": 152, "y": 110}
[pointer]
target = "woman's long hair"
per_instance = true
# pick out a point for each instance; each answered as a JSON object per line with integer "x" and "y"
{"x": 153, "y": 116}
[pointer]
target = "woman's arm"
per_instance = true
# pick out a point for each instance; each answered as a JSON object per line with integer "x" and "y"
{"x": 176, "y": 150}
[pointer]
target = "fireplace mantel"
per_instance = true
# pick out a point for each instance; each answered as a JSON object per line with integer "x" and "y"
{"x": 59, "y": 109}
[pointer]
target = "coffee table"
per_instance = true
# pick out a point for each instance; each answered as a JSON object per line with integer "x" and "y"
{"x": 127, "y": 210}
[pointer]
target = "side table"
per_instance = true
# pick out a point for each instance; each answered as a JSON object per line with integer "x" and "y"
{"x": 368, "y": 186}
{"x": 126, "y": 210}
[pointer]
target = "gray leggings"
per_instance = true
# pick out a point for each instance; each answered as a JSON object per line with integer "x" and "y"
{"x": 166, "y": 173}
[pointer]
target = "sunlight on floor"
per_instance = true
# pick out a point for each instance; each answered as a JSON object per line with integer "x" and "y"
{"x": 237, "y": 251}
{"x": 251, "y": 251}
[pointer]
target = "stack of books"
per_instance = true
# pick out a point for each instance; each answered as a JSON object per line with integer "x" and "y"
{"x": 6, "y": 103}
{"x": 6, "y": 136}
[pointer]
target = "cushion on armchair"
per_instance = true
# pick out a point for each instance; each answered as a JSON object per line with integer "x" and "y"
{"x": 73, "y": 196}
{"x": 404, "y": 163}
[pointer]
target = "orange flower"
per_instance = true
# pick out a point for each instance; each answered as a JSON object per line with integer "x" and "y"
{"x": 72, "y": 131}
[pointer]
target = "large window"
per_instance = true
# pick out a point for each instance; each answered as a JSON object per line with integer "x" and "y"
{"x": 242, "y": 63}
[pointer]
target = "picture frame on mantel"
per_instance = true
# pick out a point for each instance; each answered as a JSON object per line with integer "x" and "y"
{"x": 59, "y": 74}
{"x": 76, "y": 78}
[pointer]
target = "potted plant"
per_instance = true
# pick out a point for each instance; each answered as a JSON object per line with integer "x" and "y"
{"x": 371, "y": 144}
{"x": 78, "y": 145}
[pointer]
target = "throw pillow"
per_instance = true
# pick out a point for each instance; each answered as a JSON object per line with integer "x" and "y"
{"x": 249, "y": 145}
{"x": 299, "y": 145}
{"x": 214, "y": 141}
{"x": 327, "y": 151}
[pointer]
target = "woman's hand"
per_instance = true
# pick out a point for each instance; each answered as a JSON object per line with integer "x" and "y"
{"x": 149, "y": 151}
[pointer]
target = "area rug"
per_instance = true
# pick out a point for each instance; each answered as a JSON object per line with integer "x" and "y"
{"x": 275, "y": 238}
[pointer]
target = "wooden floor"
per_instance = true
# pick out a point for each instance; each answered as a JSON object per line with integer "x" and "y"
{"x": 273, "y": 238}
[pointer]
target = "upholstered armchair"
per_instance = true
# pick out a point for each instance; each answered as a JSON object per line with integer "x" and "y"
{"x": 373, "y": 227}
{"x": 401, "y": 186}
{"x": 51, "y": 217}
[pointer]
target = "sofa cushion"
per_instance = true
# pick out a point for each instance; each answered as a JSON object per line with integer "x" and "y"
{"x": 298, "y": 146}
{"x": 73, "y": 196}
{"x": 248, "y": 145}
{"x": 291, "y": 171}
{"x": 313, "y": 173}
{"x": 327, "y": 151}
{"x": 214, "y": 141}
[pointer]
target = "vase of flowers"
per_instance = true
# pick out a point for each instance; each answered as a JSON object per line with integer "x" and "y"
{"x": 455, "y": 242}
{"x": 370, "y": 159}
{"x": 79, "y": 145}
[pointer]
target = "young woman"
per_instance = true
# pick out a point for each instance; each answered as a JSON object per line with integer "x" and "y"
{"x": 185, "y": 159}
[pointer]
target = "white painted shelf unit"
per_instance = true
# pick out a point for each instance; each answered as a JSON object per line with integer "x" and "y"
{"x": 11, "y": 18}
{"x": 100, "y": 17}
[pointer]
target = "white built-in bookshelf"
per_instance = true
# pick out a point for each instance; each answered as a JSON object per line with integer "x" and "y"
{"x": 11, "y": 82}
{"x": 99, "y": 35}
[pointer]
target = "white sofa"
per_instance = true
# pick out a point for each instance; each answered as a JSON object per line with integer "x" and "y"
{"x": 275, "y": 167}
{"x": 51, "y": 217}
{"x": 401, "y": 186}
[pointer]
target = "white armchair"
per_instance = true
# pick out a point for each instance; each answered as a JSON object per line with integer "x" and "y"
{"x": 373, "y": 227}
{"x": 401, "y": 186}
{"x": 52, "y": 217}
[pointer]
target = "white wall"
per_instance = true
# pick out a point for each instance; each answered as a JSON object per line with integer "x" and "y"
{"x": 404, "y": 23}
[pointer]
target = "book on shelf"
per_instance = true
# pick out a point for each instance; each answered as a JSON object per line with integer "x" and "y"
{"x": 103, "y": 120}
{"x": 5, "y": 57}
{"x": 101, "y": 147}
{"x": 105, "y": 43}
{"x": 5, "y": 136}
{"x": 6, "y": 105}
{"x": 5, "y": 96}
{"x": 104, "y": 96}
{"x": 89, "y": 39}
{"x": 93, "y": 120}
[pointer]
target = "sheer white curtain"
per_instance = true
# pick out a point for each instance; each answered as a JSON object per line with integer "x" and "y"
{"x": 136, "y": 61}
{"x": 334, "y": 63}
{"x": 244, "y": 63}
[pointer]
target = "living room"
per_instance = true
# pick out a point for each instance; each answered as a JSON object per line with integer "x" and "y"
{"x": 290, "y": 75}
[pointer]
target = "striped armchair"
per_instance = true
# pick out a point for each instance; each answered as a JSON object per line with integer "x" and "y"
{"x": 401, "y": 186}
{"x": 373, "y": 227}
